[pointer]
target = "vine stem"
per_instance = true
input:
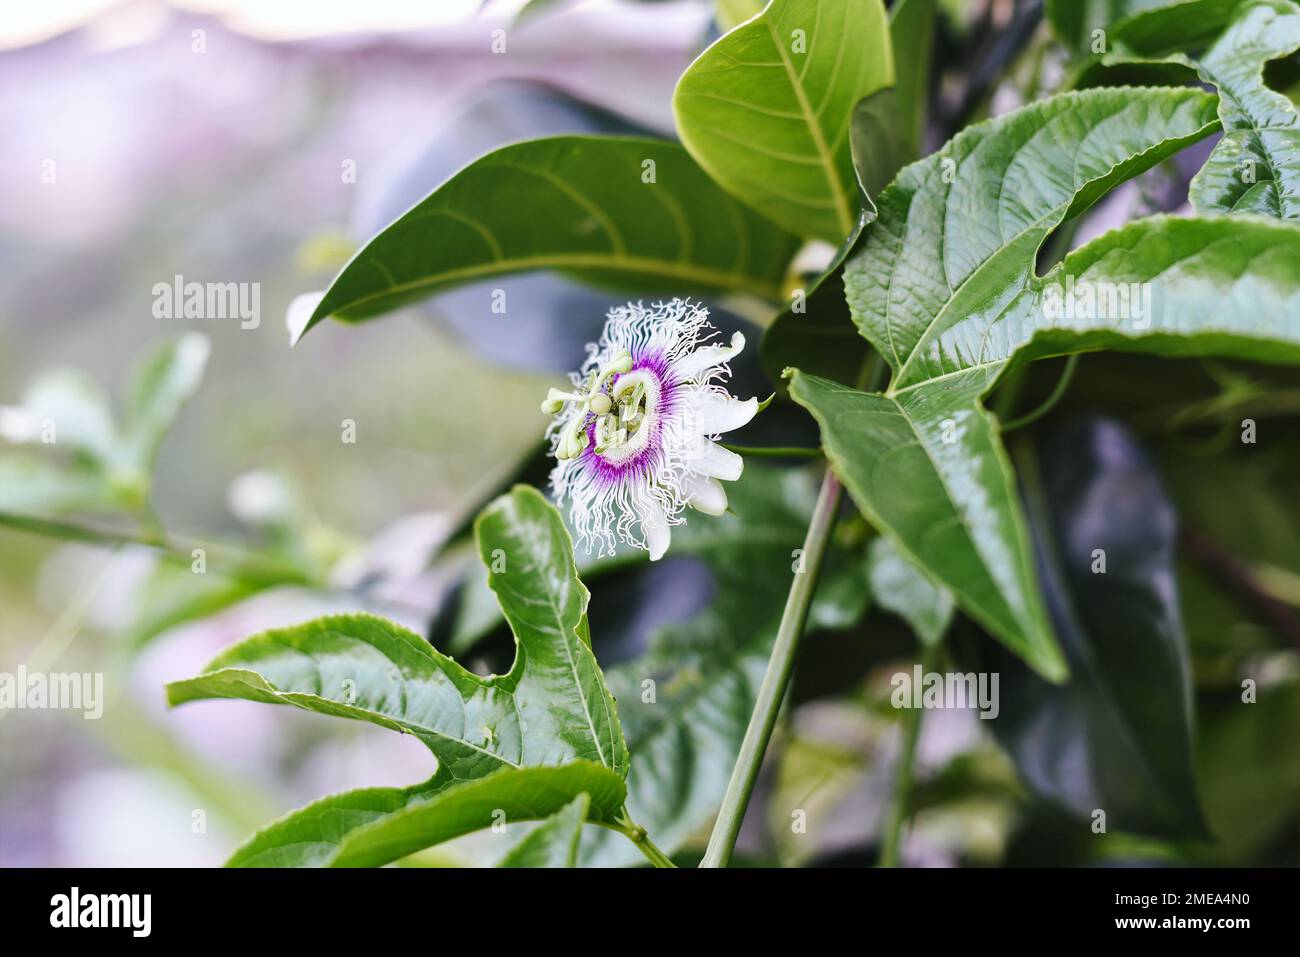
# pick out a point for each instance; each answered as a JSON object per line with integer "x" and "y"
{"x": 779, "y": 668}
{"x": 901, "y": 795}
{"x": 656, "y": 857}
{"x": 637, "y": 835}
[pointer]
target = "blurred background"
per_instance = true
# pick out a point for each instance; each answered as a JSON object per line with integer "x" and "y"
{"x": 261, "y": 142}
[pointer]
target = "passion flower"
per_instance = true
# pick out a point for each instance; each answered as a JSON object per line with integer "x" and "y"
{"x": 635, "y": 441}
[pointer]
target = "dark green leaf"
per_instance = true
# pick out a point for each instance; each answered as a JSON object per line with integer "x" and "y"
{"x": 574, "y": 203}
{"x": 1118, "y": 737}
{"x": 911, "y": 30}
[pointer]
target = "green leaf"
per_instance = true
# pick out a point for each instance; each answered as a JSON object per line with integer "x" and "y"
{"x": 1255, "y": 167}
{"x": 574, "y": 203}
{"x": 878, "y": 140}
{"x": 944, "y": 287}
{"x": 77, "y": 408}
{"x": 766, "y": 109}
{"x": 1146, "y": 27}
{"x": 1248, "y": 758}
{"x": 374, "y": 826}
{"x": 899, "y": 586}
{"x": 311, "y": 835}
{"x": 551, "y": 708}
{"x": 911, "y": 30}
{"x": 32, "y": 486}
{"x": 554, "y": 842}
{"x": 731, "y": 13}
{"x": 163, "y": 384}
{"x": 1118, "y": 737}
{"x": 510, "y": 795}
{"x": 815, "y": 334}
{"x": 1219, "y": 286}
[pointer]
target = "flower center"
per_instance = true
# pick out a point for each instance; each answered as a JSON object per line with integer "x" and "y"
{"x": 623, "y": 403}
{"x": 626, "y": 428}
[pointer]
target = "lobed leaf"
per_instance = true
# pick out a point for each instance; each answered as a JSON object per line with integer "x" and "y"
{"x": 552, "y": 708}
{"x": 1255, "y": 167}
{"x": 944, "y": 287}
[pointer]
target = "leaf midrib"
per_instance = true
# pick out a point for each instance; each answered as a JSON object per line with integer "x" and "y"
{"x": 667, "y": 268}
{"x": 815, "y": 131}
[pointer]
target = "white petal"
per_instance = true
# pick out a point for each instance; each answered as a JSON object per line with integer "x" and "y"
{"x": 715, "y": 461}
{"x": 654, "y": 526}
{"x": 705, "y": 494}
{"x": 692, "y": 364}
{"x": 714, "y": 413}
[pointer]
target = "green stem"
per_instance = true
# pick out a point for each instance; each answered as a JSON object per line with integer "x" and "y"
{"x": 637, "y": 835}
{"x": 772, "y": 691}
{"x": 901, "y": 796}
{"x": 780, "y": 665}
{"x": 1046, "y": 406}
{"x": 237, "y": 562}
{"x": 656, "y": 857}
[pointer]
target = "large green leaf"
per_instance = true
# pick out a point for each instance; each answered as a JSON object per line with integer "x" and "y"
{"x": 766, "y": 108}
{"x": 814, "y": 333}
{"x": 944, "y": 287}
{"x": 1118, "y": 737}
{"x": 623, "y": 210}
{"x": 924, "y": 460}
{"x": 374, "y": 826}
{"x": 551, "y": 708}
{"x": 1255, "y": 167}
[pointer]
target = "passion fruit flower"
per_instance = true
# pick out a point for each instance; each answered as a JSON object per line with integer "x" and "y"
{"x": 635, "y": 442}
